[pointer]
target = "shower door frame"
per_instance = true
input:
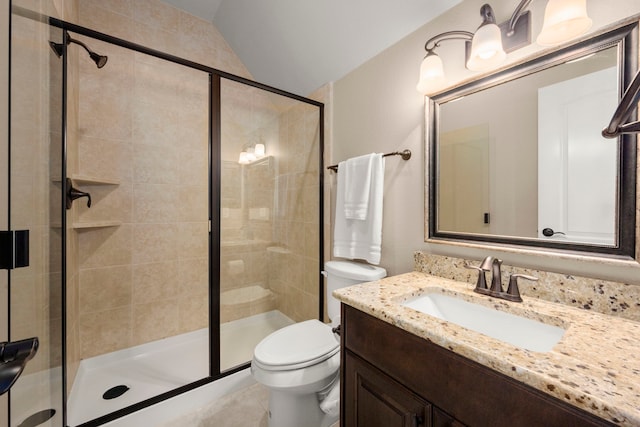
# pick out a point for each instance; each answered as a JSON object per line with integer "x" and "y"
{"x": 214, "y": 171}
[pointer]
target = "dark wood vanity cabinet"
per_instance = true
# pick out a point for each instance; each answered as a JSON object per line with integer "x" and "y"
{"x": 391, "y": 378}
{"x": 380, "y": 401}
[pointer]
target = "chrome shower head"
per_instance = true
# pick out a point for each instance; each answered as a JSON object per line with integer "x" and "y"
{"x": 58, "y": 48}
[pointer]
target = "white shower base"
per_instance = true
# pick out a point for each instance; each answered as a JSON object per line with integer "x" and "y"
{"x": 161, "y": 366}
{"x": 35, "y": 392}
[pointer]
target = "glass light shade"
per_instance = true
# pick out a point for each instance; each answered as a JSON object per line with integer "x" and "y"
{"x": 563, "y": 21}
{"x": 486, "y": 48}
{"x": 244, "y": 158}
{"x": 259, "y": 150}
{"x": 431, "y": 74}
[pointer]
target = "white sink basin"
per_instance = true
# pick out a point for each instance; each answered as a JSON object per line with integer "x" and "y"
{"x": 518, "y": 331}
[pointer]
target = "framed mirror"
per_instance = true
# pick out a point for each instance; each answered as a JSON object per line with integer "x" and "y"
{"x": 517, "y": 157}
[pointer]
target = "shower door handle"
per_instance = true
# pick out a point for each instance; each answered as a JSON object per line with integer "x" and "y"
{"x": 74, "y": 193}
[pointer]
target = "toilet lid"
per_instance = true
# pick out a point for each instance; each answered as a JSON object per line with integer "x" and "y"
{"x": 296, "y": 346}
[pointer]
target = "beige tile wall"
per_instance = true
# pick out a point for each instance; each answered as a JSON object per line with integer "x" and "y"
{"x": 295, "y": 270}
{"x": 130, "y": 287}
{"x": 146, "y": 278}
{"x": 143, "y": 123}
{"x": 287, "y": 186}
{"x": 246, "y": 229}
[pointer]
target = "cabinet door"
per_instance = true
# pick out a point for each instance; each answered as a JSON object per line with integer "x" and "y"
{"x": 442, "y": 419}
{"x": 373, "y": 399}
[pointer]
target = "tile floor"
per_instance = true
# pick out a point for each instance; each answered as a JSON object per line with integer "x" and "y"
{"x": 247, "y": 408}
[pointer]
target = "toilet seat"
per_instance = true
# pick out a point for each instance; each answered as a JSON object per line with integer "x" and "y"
{"x": 296, "y": 346}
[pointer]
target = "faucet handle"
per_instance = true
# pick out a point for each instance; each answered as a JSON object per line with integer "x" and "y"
{"x": 513, "y": 293}
{"x": 482, "y": 281}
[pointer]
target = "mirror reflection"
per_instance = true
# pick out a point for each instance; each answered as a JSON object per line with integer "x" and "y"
{"x": 518, "y": 157}
{"x": 527, "y": 156}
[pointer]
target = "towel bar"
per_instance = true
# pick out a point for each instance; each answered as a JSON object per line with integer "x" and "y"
{"x": 406, "y": 155}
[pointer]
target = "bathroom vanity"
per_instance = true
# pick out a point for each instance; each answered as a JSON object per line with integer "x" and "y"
{"x": 401, "y": 367}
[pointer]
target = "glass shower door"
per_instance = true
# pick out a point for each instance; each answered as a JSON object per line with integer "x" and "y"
{"x": 269, "y": 217}
{"x": 35, "y": 194}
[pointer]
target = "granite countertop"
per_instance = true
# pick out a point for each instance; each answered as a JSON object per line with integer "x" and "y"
{"x": 595, "y": 366}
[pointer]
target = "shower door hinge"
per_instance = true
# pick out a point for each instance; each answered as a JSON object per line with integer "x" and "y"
{"x": 14, "y": 249}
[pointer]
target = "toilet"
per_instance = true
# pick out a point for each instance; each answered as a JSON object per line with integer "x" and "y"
{"x": 300, "y": 364}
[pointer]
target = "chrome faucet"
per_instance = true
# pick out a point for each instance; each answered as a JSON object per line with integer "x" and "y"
{"x": 496, "y": 290}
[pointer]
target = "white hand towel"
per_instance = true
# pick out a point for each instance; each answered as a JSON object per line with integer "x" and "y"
{"x": 360, "y": 239}
{"x": 357, "y": 179}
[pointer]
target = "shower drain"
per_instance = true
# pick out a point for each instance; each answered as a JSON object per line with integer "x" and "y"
{"x": 38, "y": 418}
{"x": 114, "y": 392}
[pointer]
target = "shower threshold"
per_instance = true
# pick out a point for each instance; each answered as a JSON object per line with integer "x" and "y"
{"x": 141, "y": 372}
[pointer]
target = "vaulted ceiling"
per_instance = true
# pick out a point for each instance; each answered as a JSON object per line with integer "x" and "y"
{"x": 299, "y": 45}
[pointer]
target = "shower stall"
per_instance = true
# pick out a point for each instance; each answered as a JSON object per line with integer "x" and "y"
{"x": 174, "y": 214}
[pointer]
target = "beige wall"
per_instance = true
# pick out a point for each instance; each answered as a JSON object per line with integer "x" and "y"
{"x": 377, "y": 108}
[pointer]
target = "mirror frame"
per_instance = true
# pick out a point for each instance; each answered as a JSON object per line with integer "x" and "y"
{"x": 625, "y": 38}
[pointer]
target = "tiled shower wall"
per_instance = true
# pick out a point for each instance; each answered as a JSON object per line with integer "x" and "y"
{"x": 270, "y": 239}
{"x": 147, "y": 278}
{"x": 295, "y": 271}
{"x": 142, "y": 130}
{"x": 148, "y": 274}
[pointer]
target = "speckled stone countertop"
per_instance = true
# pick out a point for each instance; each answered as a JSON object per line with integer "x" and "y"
{"x": 595, "y": 366}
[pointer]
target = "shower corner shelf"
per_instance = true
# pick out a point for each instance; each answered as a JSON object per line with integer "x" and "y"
{"x": 95, "y": 224}
{"x": 89, "y": 180}
{"x": 92, "y": 180}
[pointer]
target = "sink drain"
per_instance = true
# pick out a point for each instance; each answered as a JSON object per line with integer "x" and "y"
{"x": 38, "y": 418}
{"x": 114, "y": 392}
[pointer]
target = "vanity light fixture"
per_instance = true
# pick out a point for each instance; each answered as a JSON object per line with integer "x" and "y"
{"x": 488, "y": 46}
{"x": 431, "y": 70}
{"x": 251, "y": 153}
{"x": 245, "y": 158}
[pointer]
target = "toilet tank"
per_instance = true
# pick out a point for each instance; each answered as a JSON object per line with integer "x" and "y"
{"x": 346, "y": 273}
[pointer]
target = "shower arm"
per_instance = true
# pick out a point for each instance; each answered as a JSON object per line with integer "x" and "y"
{"x": 58, "y": 48}
{"x": 78, "y": 42}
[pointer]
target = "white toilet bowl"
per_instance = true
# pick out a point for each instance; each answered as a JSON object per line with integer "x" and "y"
{"x": 300, "y": 363}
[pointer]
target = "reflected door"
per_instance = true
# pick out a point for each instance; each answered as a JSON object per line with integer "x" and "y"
{"x": 576, "y": 165}
{"x": 464, "y": 180}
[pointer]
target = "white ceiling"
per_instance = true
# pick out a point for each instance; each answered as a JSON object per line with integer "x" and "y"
{"x": 299, "y": 45}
